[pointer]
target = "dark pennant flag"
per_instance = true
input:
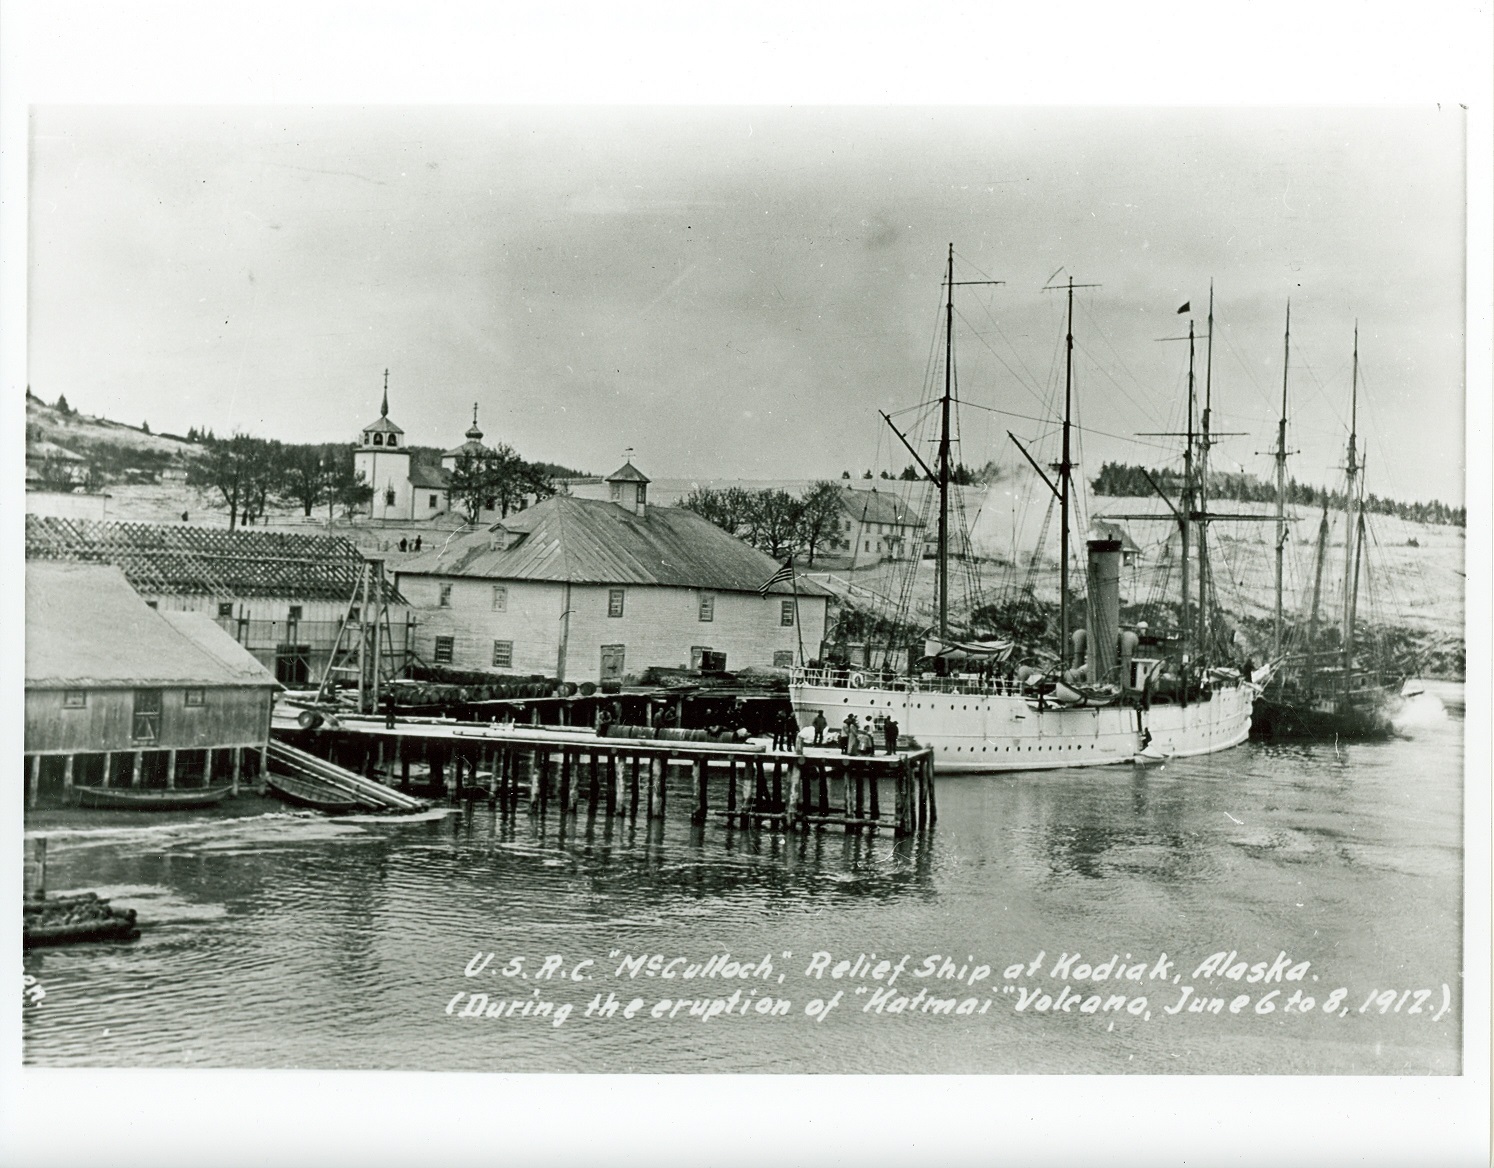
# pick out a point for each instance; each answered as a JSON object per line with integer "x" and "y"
{"x": 1185, "y": 308}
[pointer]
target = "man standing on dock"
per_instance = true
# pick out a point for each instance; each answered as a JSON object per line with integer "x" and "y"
{"x": 890, "y": 730}
{"x": 852, "y": 733}
{"x": 819, "y": 727}
{"x": 389, "y": 708}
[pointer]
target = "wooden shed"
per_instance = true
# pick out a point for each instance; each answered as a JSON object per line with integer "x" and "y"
{"x": 119, "y": 694}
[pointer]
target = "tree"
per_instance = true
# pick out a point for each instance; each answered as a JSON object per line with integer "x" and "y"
{"x": 911, "y": 474}
{"x": 778, "y": 516}
{"x": 231, "y": 466}
{"x": 845, "y": 474}
{"x": 305, "y": 476}
{"x": 62, "y": 406}
{"x": 819, "y": 514}
{"x": 346, "y": 484}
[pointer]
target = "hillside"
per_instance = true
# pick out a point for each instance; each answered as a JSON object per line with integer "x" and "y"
{"x": 111, "y": 446}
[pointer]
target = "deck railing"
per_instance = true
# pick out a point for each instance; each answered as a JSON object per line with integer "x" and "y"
{"x": 879, "y": 679}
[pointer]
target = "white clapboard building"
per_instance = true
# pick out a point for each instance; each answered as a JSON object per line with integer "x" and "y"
{"x": 593, "y": 590}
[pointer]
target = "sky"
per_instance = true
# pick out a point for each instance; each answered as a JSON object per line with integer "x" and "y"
{"x": 736, "y": 292}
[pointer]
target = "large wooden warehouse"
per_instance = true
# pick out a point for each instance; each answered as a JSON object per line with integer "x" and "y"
{"x": 119, "y": 694}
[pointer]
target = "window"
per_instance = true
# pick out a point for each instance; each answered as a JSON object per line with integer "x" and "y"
{"x": 697, "y": 655}
{"x": 146, "y": 725}
{"x": 617, "y": 492}
{"x": 225, "y": 608}
{"x": 443, "y": 595}
{"x": 783, "y": 659}
{"x": 500, "y": 598}
{"x": 389, "y": 496}
{"x": 194, "y": 697}
{"x": 615, "y": 601}
{"x": 786, "y": 613}
{"x": 151, "y": 603}
{"x": 354, "y": 612}
{"x": 444, "y": 647}
{"x": 295, "y": 612}
{"x": 435, "y": 502}
{"x": 74, "y": 699}
{"x": 503, "y": 654}
{"x": 707, "y": 606}
{"x": 641, "y": 495}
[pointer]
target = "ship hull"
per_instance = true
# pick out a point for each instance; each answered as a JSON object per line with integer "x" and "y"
{"x": 974, "y": 733}
{"x": 1285, "y": 719}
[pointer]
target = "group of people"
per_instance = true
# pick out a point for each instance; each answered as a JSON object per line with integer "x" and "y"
{"x": 858, "y": 740}
{"x": 406, "y": 546}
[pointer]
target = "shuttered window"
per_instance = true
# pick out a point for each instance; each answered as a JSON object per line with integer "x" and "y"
{"x": 503, "y": 654}
{"x": 444, "y": 647}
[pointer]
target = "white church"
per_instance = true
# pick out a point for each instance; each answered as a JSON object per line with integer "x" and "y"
{"x": 402, "y": 492}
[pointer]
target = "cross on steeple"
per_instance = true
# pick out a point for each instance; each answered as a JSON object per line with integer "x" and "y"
{"x": 384, "y": 409}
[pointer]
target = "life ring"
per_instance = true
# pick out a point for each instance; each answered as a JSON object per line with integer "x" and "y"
{"x": 857, "y": 681}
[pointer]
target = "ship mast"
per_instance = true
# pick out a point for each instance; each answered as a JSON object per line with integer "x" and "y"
{"x": 1351, "y": 582}
{"x": 942, "y": 563}
{"x": 1065, "y": 469}
{"x": 1281, "y": 462}
{"x": 1184, "y": 622}
{"x": 1205, "y": 638}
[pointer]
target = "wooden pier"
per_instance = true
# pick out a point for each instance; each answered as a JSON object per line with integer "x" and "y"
{"x": 572, "y": 772}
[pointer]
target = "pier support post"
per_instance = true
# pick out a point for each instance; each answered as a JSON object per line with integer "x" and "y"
{"x": 616, "y": 792}
{"x": 778, "y": 784}
{"x": 731, "y": 789}
{"x": 876, "y": 810}
{"x": 699, "y": 814}
{"x": 933, "y": 806}
{"x": 207, "y": 768}
{"x": 822, "y": 769}
{"x": 633, "y": 784}
{"x": 404, "y": 764}
{"x": 67, "y": 780}
{"x": 170, "y": 770}
{"x": 921, "y": 812}
{"x": 793, "y": 809}
{"x": 592, "y": 780}
{"x": 238, "y": 768}
{"x": 33, "y": 779}
{"x": 137, "y": 761}
{"x": 565, "y": 780}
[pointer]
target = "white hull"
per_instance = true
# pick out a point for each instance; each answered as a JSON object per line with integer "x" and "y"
{"x": 978, "y": 732}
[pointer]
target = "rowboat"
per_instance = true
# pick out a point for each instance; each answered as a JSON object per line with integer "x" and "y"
{"x": 307, "y": 793}
{"x": 132, "y": 799}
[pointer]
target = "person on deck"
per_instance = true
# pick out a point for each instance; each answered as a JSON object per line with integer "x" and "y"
{"x": 889, "y": 732}
{"x": 852, "y": 733}
{"x": 389, "y": 710}
{"x": 819, "y": 727}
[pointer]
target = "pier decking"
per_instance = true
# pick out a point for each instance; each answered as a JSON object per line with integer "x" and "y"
{"x": 570, "y": 770}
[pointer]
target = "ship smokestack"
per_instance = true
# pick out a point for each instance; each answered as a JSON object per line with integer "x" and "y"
{"x": 1104, "y": 607}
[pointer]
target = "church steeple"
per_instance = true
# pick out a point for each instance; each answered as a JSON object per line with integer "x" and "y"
{"x": 474, "y": 433}
{"x": 384, "y": 409}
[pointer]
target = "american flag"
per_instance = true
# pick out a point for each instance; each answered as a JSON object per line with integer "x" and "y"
{"x": 783, "y": 574}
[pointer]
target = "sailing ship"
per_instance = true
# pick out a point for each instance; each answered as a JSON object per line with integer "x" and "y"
{"x": 1104, "y": 697}
{"x": 1321, "y": 692}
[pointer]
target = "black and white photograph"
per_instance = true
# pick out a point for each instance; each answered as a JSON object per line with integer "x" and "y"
{"x": 807, "y": 595}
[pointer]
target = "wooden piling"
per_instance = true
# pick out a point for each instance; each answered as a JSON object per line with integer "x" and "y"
{"x": 565, "y": 780}
{"x": 933, "y": 807}
{"x": 731, "y": 788}
{"x": 793, "y": 808}
{"x": 699, "y": 814}
{"x": 592, "y": 781}
{"x": 875, "y": 808}
{"x": 824, "y": 776}
{"x": 633, "y": 786}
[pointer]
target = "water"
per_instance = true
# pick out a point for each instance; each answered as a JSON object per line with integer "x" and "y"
{"x": 288, "y": 941}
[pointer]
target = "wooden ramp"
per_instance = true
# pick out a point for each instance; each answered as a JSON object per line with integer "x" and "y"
{"x": 317, "y": 777}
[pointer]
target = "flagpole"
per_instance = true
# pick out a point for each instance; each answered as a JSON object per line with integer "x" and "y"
{"x": 798, "y": 625}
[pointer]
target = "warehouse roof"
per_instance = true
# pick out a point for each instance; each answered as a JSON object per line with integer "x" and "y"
{"x": 588, "y": 541}
{"x": 876, "y": 506}
{"x": 87, "y": 628}
{"x": 205, "y": 561}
